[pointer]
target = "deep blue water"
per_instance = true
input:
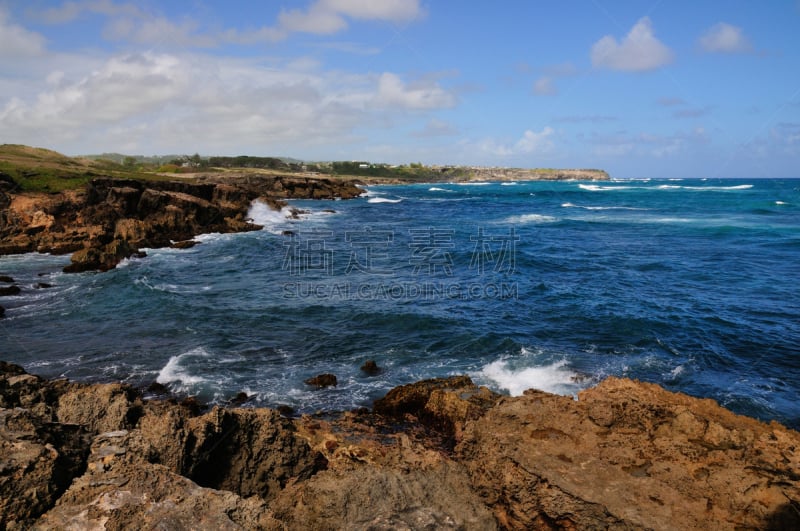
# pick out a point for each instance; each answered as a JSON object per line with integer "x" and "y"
{"x": 693, "y": 284}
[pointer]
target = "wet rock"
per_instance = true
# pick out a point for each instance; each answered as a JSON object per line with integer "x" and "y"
{"x": 286, "y": 411}
{"x": 322, "y": 380}
{"x": 7, "y": 291}
{"x": 42, "y": 285}
{"x": 239, "y": 399}
{"x": 186, "y": 244}
{"x": 370, "y": 368}
{"x": 7, "y": 279}
{"x": 157, "y": 388}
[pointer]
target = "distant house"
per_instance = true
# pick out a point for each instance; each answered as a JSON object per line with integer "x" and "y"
{"x": 363, "y": 166}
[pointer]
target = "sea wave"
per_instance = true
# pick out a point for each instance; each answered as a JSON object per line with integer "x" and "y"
{"x": 572, "y": 205}
{"x": 530, "y": 218}
{"x": 553, "y": 378}
{"x": 382, "y": 200}
{"x": 176, "y": 374}
{"x": 262, "y": 214}
{"x": 437, "y": 189}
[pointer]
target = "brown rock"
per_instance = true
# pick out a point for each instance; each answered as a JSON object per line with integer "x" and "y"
{"x": 100, "y": 408}
{"x": 631, "y": 455}
{"x": 370, "y": 368}
{"x": 186, "y": 244}
{"x": 246, "y": 451}
{"x": 38, "y": 461}
{"x": 322, "y": 380}
{"x": 121, "y": 491}
{"x": 431, "y": 498}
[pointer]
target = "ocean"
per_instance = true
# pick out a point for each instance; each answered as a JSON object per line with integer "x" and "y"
{"x": 691, "y": 284}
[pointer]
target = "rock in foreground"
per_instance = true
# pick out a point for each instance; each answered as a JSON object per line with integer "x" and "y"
{"x": 438, "y": 454}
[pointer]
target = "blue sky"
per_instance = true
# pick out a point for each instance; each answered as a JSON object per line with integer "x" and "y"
{"x": 639, "y": 88}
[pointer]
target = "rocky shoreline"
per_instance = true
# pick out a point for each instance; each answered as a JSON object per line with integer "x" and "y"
{"x": 437, "y": 454}
{"x": 111, "y": 219}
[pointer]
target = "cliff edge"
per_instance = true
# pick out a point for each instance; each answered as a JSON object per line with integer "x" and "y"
{"x": 437, "y": 454}
{"x": 110, "y": 219}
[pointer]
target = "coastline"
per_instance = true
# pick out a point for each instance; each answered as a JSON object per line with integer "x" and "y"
{"x": 440, "y": 453}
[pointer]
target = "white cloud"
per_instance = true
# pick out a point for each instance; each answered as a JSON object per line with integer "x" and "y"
{"x": 322, "y": 17}
{"x": 16, "y": 41}
{"x": 326, "y": 17}
{"x": 544, "y": 87}
{"x": 167, "y": 102}
{"x": 535, "y": 142}
{"x": 389, "y": 10}
{"x": 724, "y": 38}
{"x": 531, "y": 142}
{"x": 393, "y": 92}
{"x": 71, "y": 10}
{"x": 639, "y": 51}
{"x": 158, "y": 32}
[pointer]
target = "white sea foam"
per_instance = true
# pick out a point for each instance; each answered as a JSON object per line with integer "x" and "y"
{"x": 473, "y": 184}
{"x": 437, "y": 189}
{"x": 382, "y": 200}
{"x": 781, "y": 203}
{"x": 598, "y": 188}
{"x": 737, "y": 187}
{"x": 553, "y": 378}
{"x": 262, "y": 214}
{"x": 509, "y": 184}
{"x": 572, "y": 205}
{"x": 174, "y": 372}
{"x": 530, "y": 218}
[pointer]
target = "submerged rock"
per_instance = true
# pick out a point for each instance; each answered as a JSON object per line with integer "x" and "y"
{"x": 7, "y": 291}
{"x": 322, "y": 380}
{"x": 370, "y": 368}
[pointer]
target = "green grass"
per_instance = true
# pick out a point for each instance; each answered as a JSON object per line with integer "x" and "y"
{"x": 42, "y": 170}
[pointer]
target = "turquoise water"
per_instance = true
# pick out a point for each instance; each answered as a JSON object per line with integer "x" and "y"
{"x": 692, "y": 284}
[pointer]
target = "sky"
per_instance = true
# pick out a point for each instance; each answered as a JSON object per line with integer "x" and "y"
{"x": 640, "y": 88}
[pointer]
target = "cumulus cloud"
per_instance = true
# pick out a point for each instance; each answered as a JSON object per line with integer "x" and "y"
{"x": 393, "y": 92}
{"x": 531, "y": 142}
{"x": 154, "y": 102}
{"x": 639, "y": 51}
{"x": 725, "y": 38}
{"x": 16, "y": 41}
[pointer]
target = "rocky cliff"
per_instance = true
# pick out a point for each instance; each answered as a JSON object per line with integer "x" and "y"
{"x": 112, "y": 218}
{"x": 521, "y": 174}
{"x": 438, "y": 454}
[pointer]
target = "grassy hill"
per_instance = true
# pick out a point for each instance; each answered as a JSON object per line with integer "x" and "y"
{"x": 42, "y": 170}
